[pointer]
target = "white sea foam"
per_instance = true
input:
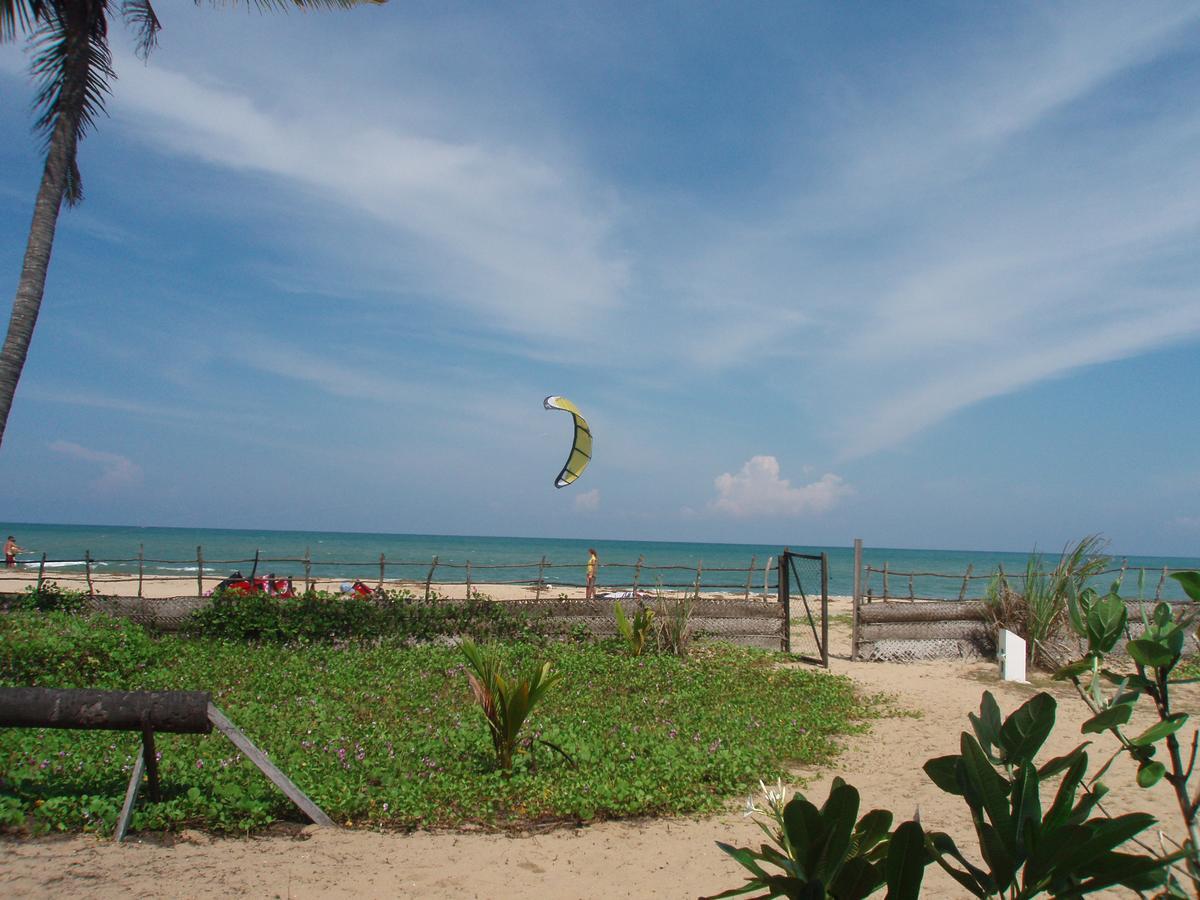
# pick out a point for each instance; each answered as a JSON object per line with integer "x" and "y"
{"x": 62, "y": 564}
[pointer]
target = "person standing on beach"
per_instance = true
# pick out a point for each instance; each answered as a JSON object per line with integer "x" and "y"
{"x": 10, "y": 552}
{"x": 593, "y": 562}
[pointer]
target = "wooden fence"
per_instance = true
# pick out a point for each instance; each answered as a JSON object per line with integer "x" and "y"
{"x": 751, "y": 623}
{"x": 424, "y": 577}
{"x": 900, "y": 585}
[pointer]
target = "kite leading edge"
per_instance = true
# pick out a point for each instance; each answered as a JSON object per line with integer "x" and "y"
{"x": 581, "y": 449}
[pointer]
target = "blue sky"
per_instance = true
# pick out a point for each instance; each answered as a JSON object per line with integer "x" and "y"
{"x": 921, "y": 274}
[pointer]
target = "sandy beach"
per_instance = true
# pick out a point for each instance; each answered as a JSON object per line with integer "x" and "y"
{"x": 162, "y": 586}
{"x": 928, "y": 704}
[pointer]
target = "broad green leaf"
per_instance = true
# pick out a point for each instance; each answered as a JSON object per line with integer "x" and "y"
{"x": 1061, "y": 763}
{"x": 1190, "y": 581}
{"x": 974, "y": 879}
{"x": 1024, "y": 732}
{"x": 1160, "y": 730}
{"x": 944, "y": 772}
{"x": 1076, "y": 615}
{"x": 990, "y": 789}
{"x": 1089, "y": 801}
{"x": 1132, "y": 680}
{"x": 837, "y": 817}
{"x": 802, "y": 827}
{"x": 1150, "y": 774}
{"x": 870, "y": 832}
{"x": 1134, "y": 871}
{"x": 1026, "y": 804}
{"x": 1112, "y": 717}
{"x": 996, "y": 854}
{"x": 1162, "y": 615}
{"x": 987, "y": 724}
{"x": 1105, "y": 622}
{"x": 746, "y": 857}
{"x": 1073, "y": 669}
{"x": 858, "y": 878}
{"x": 1064, "y": 799}
{"x": 1103, "y": 835}
{"x": 906, "y": 862}
{"x": 1150, "y": 653}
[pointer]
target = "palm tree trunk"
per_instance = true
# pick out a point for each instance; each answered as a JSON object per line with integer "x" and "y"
{"x": 56, "y": 177}
{"x": 37, "y": 261}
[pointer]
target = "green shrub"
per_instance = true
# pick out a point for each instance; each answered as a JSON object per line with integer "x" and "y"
{"x": 319, "y": 616}
{"x": 635, "y": 632}
{"x": 50, "y": 597}
{"x": 1038, "y": 611}
{"x": 61, "y": 650}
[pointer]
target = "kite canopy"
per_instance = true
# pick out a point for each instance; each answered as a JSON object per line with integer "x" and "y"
{"x": 581, "y": 449}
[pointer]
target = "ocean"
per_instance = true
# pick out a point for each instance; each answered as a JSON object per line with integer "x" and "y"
{"x": 173, "y": 551}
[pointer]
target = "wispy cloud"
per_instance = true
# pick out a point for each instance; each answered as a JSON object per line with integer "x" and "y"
{"x": 117, "y": 472}
{"x": 503, "y": 230}
{"x": 588, "y": 501}
{"x": 758, "y": 490}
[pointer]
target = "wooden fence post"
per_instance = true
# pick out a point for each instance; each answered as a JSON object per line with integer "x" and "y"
{"x": 429, "y": 577}
{"x": 785, "y": 597}
{"x": 962, "y": 592}
{"x": 824, "y": 610}
{"x": 468, "y": 579}
{"x": 749, "y": 576}
{"x": 382, "y": 564}
{"x": 911, "y": 595}
{"x": 141, "y": 566}
{"x": 308, "y": 585}
{"x": 696, "y": 587}
{"x": 856, "y": 599}
{"x": 41, "y": 572}
{"x": 637, "y": 574}
{"x": 1161, "y": 581}
{"x": 87, "y": 571}
{"x": 767, "y": 576}
{"x": 199, "y": 570}
{"x": 537, "y": 588}
{"x": 885, "y": 577}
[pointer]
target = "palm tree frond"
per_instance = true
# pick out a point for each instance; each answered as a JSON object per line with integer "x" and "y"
{"x": 19, "y": 16}
{"x": 305, "y": 5}
{"x": 140, "y": 16}
{"x": 72, "y": 67}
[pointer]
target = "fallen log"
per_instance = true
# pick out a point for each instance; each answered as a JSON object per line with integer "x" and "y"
{"x": 178, "y": 712}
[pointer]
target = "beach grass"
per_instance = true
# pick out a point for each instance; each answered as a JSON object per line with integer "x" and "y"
{"x": 385, "y": 735}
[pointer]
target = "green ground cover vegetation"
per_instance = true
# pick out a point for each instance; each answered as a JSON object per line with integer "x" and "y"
{"x": 386, "y": 733}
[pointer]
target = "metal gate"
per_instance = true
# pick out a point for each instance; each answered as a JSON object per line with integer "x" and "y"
{"x": 804, "y": 577}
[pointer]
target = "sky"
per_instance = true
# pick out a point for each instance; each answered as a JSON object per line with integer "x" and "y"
{"x": 924, "y": 274}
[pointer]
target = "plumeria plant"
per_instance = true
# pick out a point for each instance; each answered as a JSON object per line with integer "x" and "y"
{"x": 825, "y": 853}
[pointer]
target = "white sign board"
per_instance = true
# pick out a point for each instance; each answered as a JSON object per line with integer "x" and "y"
{"x": 1012, "y": 657}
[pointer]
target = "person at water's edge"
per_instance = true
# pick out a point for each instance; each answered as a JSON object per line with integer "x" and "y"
{"x": 10, "y": 552}
{"x": 593, "y": 561}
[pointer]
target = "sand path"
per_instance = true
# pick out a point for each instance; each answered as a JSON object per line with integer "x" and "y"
{"x": 658, "y": 858}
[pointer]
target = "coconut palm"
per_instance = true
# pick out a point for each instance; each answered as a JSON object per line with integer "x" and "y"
{"x": 72, "y": 66}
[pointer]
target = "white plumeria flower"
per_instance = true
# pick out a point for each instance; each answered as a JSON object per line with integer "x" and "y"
{"x": 775, "y": 797}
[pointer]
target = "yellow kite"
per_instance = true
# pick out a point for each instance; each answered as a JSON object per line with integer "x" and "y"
{"x": 581, "y": 449}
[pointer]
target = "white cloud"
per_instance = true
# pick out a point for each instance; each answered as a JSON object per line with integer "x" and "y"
{"x": 117, "y": 471}
{"x": 757, "y": 490}
{"x": 588, "y": 501}
{"x": 507, "y": 231}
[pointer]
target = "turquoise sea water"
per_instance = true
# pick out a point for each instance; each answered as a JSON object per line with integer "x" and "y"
{"x": 172, "y": 551}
